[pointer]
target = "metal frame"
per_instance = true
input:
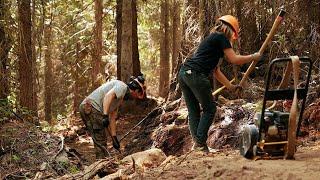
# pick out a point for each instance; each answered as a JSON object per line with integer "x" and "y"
{"x": 283, "y": 94}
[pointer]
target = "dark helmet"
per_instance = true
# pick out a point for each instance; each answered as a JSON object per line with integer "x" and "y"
{"x": 137, "y": 83}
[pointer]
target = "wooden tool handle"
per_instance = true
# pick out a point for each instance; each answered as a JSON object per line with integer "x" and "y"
{"x": 272, "y": 32}
{"x": 221, "y": 88}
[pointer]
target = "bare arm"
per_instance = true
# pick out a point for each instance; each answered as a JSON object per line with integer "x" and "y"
{"x": 112, "y": 126}
{"x": 234, "y": 58}
{"x": 107, "y": 101}
{"x": 222, "y": 78}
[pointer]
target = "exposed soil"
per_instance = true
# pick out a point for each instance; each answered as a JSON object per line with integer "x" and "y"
{"x": 230, "y": 165}
{"x": 27, "y": 151}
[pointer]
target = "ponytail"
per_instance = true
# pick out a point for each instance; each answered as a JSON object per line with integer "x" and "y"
{"x": 223, "y": 28}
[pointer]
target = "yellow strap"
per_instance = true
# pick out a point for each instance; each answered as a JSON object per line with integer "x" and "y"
{"x": 292, "y": 126}
{"x": 296, "y": 72}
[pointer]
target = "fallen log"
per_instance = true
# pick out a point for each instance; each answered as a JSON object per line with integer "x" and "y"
{"x": 101, "y": 167}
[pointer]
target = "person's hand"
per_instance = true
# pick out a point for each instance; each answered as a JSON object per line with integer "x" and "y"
{"x": 256, "y": 56}
{"x": 235, "y": 88}
{"x": 116, "y": 143}
{"x": 105, "y": 120}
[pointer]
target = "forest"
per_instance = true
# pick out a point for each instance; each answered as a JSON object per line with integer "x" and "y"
{"x": 55, "y": 53}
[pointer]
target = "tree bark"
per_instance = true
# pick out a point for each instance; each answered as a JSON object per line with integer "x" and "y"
{"x": 76, "y": 78}
{"x": 48, "y": 78}
{"x": 97, "y": 50}
{"x": 126, "y": 41}
{"x": 176, "y": 34}
{"x": 164, "y": 50}
{"x": 27, "y": 87}
{"x": 5, "y": 46}
{"x": 202, "y": 18}
{"x": 135, "y": 50}
{"x": 119, "y": 34}
{"x": 187, "y": 44}
{"x": 34, "y": 31}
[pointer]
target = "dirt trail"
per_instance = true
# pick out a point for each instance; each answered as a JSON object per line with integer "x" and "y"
{"x": 230, "y": 165}
{"x": 26, "y": 150}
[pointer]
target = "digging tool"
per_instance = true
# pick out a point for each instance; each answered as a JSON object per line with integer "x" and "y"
{"x": 153, "y": 112}
{"x": 274, "y": 132}
{"x": 272, "y": 32}
{"x": 221, "y": 88}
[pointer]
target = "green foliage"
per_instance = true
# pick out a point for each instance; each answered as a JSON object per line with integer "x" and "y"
{"x": 73, "y": 169}
{"x": 149, "y": 43}
{"x": 70, "y": 167}
{"x": 7, "y": 111}
{"x": 64, "y": 164}
{"x": 45, "y": 127}
{"x": 16, "y": 157}
{"x": 4, "y": 110}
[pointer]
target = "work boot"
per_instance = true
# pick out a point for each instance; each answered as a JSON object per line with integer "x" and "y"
{"x": 200, "y": 147}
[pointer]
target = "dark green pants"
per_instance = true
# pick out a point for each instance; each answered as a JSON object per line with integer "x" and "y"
{"x": 196, "y": 90}
{"x": 93, "y": 122}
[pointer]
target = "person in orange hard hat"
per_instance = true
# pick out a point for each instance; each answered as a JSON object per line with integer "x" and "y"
{"x": 194, "y": 72}
{"x": 233, "y": 23}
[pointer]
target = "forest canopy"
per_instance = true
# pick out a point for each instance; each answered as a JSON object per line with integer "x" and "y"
{"x": 53, "y": 53}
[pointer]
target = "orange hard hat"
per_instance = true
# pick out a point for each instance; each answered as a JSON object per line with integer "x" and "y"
{"x": 233, "y": 22}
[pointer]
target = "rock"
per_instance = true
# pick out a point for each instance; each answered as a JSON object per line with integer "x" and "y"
{"x": 172, "y": 105}
{"x": 169, "y": 117}
{"x": 146, "y": 159}
{"x": 43, "y": 166}
{"x": 183, "y": 113}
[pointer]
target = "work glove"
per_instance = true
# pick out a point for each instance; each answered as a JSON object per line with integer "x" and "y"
{"x": 105, "y": 120}
{"x": 256, "y": 56}
{"x": 115, "y": 143}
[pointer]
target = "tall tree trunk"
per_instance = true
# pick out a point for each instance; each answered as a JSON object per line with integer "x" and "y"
{"x": 164, "y": 50}
{"x": 5, "y": 46}
{"x": 249, "y": 30}
{"x": 119, "y": 34}
{"x": 187, "y": 43}
{"x": 207, "y": 14}
{"x": 48, "y": 77}
{"x": 126, "y": 41}
{"x": 97, "y": 50}
{"x": 34, "y": 31}
{"x": 189, "y": 38}
{"x": 76, "y": 78}
{"x": 26, "y": 61}
{"x": 176, "y": 34}
{"x": 135, "y": 50}
{"x": 202, "y": 18}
